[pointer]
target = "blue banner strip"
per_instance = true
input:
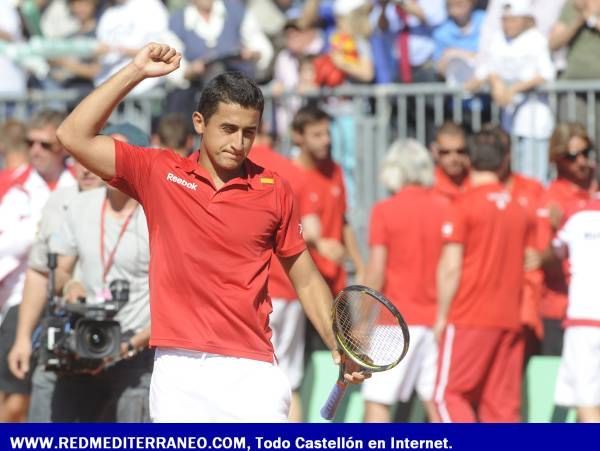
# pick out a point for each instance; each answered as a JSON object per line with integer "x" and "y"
{"x": 259, "y": 437}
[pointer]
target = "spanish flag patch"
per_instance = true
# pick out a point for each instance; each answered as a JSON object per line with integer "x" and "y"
{"x": 267, "y": 181}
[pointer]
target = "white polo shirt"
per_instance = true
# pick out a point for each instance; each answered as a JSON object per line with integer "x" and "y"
{"x": 581, "y": 236}
{"x": 20, "y": 212}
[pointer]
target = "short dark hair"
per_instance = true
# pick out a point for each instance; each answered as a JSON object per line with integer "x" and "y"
{"x": 502, "y": 134}
{"x": 450, "y": 128}
{"x": 486, "y": 151}
{"x": 308, "y": 114}
{"x": 232, "y": 88}
{"x": 173, "y": 131}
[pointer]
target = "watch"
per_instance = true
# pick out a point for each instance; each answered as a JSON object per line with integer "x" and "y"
{"x": 131, "y": 350}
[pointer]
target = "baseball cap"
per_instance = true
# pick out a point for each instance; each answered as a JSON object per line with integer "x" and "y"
{"x": 343, "y": 7}
{"x": 518, "y": 8}
{"x": 134, "y": 135}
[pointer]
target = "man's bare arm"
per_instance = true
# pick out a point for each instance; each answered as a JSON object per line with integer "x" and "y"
{"x": 79, "y": 131}
{"x": 30, "y": 311}
{"x": 448, "y": 279}
{"x": 375, "y": 273}
{"x": 317, "y": 303}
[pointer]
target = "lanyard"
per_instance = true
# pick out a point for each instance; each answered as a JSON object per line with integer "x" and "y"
{"x": 106, "y": 265}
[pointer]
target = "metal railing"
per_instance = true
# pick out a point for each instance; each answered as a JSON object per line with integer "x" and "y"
{"x": 379, "y": 114}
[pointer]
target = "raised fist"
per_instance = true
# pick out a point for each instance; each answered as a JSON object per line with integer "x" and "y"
{"x": 156, "y": 60}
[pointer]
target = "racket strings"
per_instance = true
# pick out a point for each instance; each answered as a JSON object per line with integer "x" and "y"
{"x": 368, "y": 330}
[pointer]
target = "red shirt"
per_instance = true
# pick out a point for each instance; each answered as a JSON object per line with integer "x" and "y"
{"x": 568, "y": 197}
{"x": 494, "y": 230}
{"x": 528, "y": 193}
{"x": 13, "y": 177}
{"x": 324, "y": 195}
{"x": 445, "y": 186}
{"x": 408, "y": 225}
{"x": 210, "y": 249}
{"x": 280, "y": 286}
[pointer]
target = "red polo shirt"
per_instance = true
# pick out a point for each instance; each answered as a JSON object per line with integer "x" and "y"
{"x": 445, "y": 186}
{"x": 210, "y": 249}
{"x": 528, "y": 193}
{"x": 568, "y": 197}
{"x": 494, "y": 231}
{"x": 280, "y": 286}
{"x": 324, "y": 195}
{"x": 408, "y": 225}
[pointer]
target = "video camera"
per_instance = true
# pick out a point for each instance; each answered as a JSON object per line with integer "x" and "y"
{"x": 79, "y": 337}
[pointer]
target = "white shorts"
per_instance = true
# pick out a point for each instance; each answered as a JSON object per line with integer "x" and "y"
{"x": 416, "y": 371}
{"x": 288, "y": 324}
{"x": 578, "y": 379}
{"x": 195, "y": 387}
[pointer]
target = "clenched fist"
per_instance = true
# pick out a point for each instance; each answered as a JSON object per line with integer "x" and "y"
{"x": 156, "y": 60}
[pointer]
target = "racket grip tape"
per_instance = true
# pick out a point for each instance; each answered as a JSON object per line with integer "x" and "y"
{"x": 333, "y": 401}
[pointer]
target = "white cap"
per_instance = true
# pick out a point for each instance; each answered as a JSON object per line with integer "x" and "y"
{"x": 343, "y": 7}
{"x": 518, "y": 8}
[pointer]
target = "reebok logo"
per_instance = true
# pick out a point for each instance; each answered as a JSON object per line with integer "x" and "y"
{"x": 174, "y": 179}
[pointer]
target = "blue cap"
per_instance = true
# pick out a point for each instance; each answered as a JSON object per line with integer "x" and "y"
{"x": 134, "y": 135}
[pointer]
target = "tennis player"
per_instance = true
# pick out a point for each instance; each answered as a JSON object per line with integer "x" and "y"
{"x": 214, "y": 222}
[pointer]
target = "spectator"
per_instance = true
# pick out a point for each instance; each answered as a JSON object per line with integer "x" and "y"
{"x": 450, "y": 154}
{"x": 173, "y": 133}
{"x": 578, "y": 380}
{"x": 294, "y": 70}
{"x": 217, "y": 36}
{"x": 347, "y": 46}
{"x": 20, "y": 211}
{"x": 570, "y": 150}
{"x": 71, "y": 72}
{"x": 520, "y": 62}
{"x": 404, "y": 29}
{"x": 457, "y": 41}
{"x": 35, "y": 297}
{"x": 578, "y": 30}
{"x": 13, "y": 80}
{"x": 13, "y": 153}
{"x": 479, "y": 281}
{"x": 125, "y": 27}
{"x": 405, "y": 247}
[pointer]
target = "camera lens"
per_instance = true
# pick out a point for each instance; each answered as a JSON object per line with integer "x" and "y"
{"x": 98, "y": 340}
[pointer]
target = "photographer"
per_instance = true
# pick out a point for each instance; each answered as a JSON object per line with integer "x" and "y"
{"x": 105, "y": 233}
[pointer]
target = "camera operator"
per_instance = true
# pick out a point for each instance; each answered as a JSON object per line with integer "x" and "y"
{"x": 105, "y": 233}
{"x": 36, "y": 287}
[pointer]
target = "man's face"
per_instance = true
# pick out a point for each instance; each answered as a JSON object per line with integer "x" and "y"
{"x": 316, "y": 140}
{"x": 513, "y": 26}
{"x": 575, "y": 164}
{"x": 45, "y": 153}
{"x": 450, "y": 154}
{"x": 459, "y": 10}
{"x": 228, "y": 135}
{"x": 86, "y": 179}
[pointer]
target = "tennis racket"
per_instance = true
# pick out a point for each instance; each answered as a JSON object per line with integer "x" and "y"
{"x": 370, "y": 331}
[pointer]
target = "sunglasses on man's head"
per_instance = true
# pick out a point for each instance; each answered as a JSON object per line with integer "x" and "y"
{"x": 572, "y": 156}
{"x": 445, "y": 152}
{"x": 46, "y": 145}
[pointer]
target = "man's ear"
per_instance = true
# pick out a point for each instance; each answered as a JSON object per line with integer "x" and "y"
{"x": 198, "y": 122}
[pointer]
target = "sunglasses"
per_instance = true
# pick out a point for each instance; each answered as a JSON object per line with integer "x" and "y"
{"x": 572, "y": 156}
{"x": 444, "y": 152}
{"x": 46, "y": 145}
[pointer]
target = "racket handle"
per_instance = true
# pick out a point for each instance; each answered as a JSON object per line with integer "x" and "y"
{"x": 333, "y": 401}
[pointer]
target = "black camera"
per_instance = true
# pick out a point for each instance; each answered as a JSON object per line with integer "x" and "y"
{"x": 79, "y": 337}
